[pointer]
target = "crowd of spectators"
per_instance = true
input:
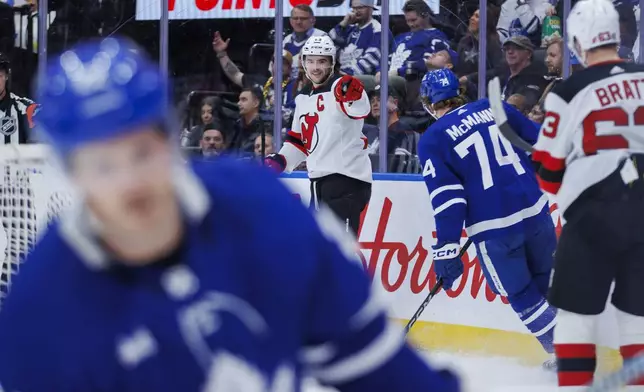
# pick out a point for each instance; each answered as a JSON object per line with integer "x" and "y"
{"x": 524, "y": 49}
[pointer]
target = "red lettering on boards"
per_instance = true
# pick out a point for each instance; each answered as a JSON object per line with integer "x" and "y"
{"x": 412, "y": 263}
{"x": 207, "y": 5}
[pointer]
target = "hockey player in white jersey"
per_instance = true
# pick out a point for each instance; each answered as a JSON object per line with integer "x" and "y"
{"x": 590, "y": 155}
{"x": 327, "y": 133}
{"x": 157, "y": 280}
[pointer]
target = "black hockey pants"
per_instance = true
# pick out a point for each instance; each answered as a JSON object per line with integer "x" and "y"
{"x": 347, "y": 197}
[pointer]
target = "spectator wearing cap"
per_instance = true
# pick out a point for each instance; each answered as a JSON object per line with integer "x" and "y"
{"x": 411, "y": 47}
{"x": 303, "y": 24}
{"x": 523, "y": 76}
{"x": 400, "y": 135}
{"x": 468, "y": 47}
{"x": 250, "y": 123}
{"x": 358, "y": 37}
{"x": 266, "y": 85}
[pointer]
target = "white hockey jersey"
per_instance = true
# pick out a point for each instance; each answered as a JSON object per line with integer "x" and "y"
{"x": 594, "y": 120}
{"x": 522, "y": 15}
{"x": 328, "y": 134}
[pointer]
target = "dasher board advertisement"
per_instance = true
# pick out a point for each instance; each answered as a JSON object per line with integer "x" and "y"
{"x": 240, "y": 9}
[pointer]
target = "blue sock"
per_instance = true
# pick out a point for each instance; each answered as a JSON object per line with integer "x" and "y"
{"x": 536, "y": 314}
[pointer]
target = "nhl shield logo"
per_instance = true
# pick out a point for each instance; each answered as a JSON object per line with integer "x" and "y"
{"x": 7, "y": 125}
{"x": 309, "y": 130}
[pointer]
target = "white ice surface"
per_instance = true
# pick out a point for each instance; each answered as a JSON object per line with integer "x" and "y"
{"x": 488, "y": 374}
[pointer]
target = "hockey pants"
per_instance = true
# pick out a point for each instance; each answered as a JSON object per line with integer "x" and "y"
{"x": 518, "y": 266}
{"x": 347, "y": 197}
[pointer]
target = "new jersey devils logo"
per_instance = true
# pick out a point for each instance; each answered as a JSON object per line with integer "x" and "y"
{"x": 309, "y": 130}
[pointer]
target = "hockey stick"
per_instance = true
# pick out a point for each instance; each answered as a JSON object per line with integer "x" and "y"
{"x": 501, "y": 119}
{"x": 631, "y": 371}
{"x": 433, "y": 292}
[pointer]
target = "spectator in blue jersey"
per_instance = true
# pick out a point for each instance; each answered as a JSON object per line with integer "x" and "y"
{"x": 523, "y": 75}
{"x": 303, "y": 24}
{"x": 263, "y": 83}
{"x": 411, "y": 48}
{"x": 357, "y": 37}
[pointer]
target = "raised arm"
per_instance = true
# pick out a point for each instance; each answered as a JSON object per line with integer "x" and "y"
{"x": 230, "y": 69}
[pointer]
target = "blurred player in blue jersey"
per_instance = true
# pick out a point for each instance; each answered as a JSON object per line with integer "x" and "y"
{"x": 477, "y": 179}
{"x": 172, "y": 277}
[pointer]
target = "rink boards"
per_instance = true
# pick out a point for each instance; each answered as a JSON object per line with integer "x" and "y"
{"x": 396, "y": 238}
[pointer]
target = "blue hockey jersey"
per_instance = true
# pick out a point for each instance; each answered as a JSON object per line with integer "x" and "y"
{"x": 257, "y": 294}
{"x": 475, "y": 176}
{"x": 359, "y": 47}
{"x": 411, "y": 47}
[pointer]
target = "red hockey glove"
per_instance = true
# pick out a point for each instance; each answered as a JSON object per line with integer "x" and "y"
{"x": 348, "y": 89}
{"x": 276, "y": 162}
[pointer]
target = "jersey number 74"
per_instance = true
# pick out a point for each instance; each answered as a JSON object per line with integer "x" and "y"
{"x": 504, "y": 154}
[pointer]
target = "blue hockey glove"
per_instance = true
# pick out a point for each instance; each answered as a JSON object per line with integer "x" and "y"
{"x": 447, "y": 263}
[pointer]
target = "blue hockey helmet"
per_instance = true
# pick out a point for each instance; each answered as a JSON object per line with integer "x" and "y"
{"x": 99, "y": 90}
{"x": 439, "y": 85}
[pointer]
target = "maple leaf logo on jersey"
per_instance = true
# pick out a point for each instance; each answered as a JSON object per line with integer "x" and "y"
{"x": 350, "y": 54}
{"x": 309, "y": 130}
{"x": 399, "y": 57}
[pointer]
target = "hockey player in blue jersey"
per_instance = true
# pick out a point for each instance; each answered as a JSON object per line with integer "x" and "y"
{"x": 173, "y": 277}
{"x": 477, "y": 179}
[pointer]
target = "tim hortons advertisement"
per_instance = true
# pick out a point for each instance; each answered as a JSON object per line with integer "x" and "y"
{"x": 396, "y": 236}
{"x": 239, "y": 9}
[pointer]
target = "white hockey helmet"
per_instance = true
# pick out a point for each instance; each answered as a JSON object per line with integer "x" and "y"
{"x": 591, "y": 23}
{"x": 321, "y": 45}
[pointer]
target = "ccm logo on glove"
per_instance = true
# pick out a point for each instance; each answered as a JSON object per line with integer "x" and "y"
{"x": 448, "y": 251}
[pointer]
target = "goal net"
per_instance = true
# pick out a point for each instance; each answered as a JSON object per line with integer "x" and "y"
{"x": 32, "y": 193}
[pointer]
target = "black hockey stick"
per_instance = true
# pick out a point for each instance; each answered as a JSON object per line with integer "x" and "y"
{"x": 433, "y": 292}
{"x": 501, "y": 119}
